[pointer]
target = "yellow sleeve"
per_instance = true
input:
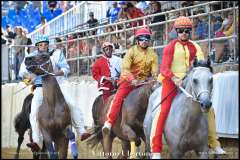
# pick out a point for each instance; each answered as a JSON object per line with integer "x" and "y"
{"x": 126, "y": 65}
{"x": 154, "y": 70}
{"x": 229, "y": 32}
{"x": 199, "y": 53}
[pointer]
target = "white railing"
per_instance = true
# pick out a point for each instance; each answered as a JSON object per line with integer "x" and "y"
{"x": 70, "y": 19}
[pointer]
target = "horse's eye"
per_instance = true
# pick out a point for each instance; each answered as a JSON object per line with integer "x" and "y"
{"x": 195, "y": 81}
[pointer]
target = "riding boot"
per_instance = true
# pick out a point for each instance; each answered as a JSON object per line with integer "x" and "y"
{"x": 156, "y": 156}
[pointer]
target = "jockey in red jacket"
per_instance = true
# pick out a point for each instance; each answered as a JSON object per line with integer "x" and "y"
{"x": 106, "y": 70}
{"x": 177, "y": 58}
{"x": 139, "y": 63}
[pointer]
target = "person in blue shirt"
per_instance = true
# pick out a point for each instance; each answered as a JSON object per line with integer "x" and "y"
{"x": 61, "y": 70}
{"x": 112, "y": 13}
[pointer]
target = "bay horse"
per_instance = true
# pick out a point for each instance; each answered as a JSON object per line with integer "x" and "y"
{"x": 54, "y": 114}
{"x": 186, "y": 127}
{"x": 129, "y": 124}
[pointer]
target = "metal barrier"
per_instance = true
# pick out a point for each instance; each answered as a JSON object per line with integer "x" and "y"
{"x": 82, "y": 51}
{"x": 70, "y": 19}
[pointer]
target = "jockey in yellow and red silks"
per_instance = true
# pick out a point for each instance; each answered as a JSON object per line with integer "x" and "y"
{"x": 139, "y": 63}
{"x": 177, "y": 58}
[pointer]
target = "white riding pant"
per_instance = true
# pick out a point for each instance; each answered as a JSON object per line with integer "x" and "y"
{"x": 76, "y": 115}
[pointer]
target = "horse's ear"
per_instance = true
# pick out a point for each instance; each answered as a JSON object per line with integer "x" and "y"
{"x": 195, "y": 62}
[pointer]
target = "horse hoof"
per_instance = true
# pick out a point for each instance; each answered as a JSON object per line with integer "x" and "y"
{"x": 105, "y": 131}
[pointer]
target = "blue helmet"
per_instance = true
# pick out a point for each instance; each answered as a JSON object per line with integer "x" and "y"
{"x": 41, "y": 38}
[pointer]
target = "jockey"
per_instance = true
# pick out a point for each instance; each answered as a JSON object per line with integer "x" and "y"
{"x": 178, "y": 56}
{"x": 139, "y": 63}
{"x": 106, "y": 70}
{"x": 61, "y": 69}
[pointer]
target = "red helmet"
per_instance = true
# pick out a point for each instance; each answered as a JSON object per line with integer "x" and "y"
{"x": 142, "y": 31}
{"x": 183, "y": 22}
{"x": 106, "y": 44}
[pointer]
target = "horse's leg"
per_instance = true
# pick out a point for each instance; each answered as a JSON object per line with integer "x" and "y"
{"x": 127, "y": 131}
{"x": 107, "y": 145}
{"x": 203, "y": 152}
{"x": 125, "y": 150}
{"x": 48, "y": 142}
{"x": 62, "y": 146}
{"x": 44, "y": 154}
{"x": 20, "y": 140}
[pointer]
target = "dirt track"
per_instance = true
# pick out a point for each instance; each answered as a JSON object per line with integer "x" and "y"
{"x": 229, "y": 145}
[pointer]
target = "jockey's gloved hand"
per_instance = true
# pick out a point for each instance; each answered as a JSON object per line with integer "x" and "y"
{"x": 177, "y": 81}
{"x": 27, "y": 81}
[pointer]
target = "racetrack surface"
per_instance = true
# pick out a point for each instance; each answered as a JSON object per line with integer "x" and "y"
{"x": 85, "y": 152}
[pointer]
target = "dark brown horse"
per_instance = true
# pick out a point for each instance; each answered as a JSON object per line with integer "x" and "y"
{"x": 22, "y": 124}
{"x": 54, "y": 114}
{"x": 129, "y": 124}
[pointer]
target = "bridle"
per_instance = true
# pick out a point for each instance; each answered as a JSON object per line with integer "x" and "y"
{"x": 194, "y": 95}
{"x": 46, "y": 72}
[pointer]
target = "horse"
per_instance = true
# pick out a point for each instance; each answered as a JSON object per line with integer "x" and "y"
{"x": 22, "y": 124}
{"x": 130, "y": 120}
{"x": 54, "y": 114}
{"x": 186, "y": 127}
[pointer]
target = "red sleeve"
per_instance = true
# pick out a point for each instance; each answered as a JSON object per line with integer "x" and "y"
{"x": 96, "y": 72}
{"x": 165, "y": 68}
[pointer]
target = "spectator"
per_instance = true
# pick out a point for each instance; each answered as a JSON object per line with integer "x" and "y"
{"x": 19, "y": 51}
{"x": 92, "y": 22}
{"x": 29, "y": 41}
{"x": 143, "y": 6}
{"x": 59, "y": 45}
{"x": 112, "y": 13}
{"x": 3, "y": 38}
{"x": 10, "y": 35}
{"x": 157, "y": 30}
{"x": 52, "y": 5}
{"x": 216, "y": 23}
{"x": 222, "y": 44}
{"x": 128, "y": 11}
{"x": 200, "y": 32}
{"x": 171, "y": 32}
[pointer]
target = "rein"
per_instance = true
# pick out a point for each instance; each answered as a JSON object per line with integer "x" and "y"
{"x": 194, "y": 98}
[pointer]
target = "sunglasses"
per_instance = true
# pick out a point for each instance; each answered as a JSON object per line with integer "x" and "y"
{"x": 147, "y": 39}
{"x": 185, "y": 30}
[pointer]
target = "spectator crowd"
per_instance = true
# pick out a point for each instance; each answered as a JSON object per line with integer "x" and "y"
{"x": 221, "y": 25}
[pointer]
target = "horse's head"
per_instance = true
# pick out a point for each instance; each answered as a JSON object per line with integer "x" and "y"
{"x": 38, "y": 64}
{"x": 201, "y": 83}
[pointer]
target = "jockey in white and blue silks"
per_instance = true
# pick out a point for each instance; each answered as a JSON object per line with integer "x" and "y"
{"x": 61, "y": 70}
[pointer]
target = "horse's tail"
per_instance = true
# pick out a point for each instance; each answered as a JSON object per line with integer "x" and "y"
{"x": 21, "y": 121}
{"x": 96, "y": 131}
